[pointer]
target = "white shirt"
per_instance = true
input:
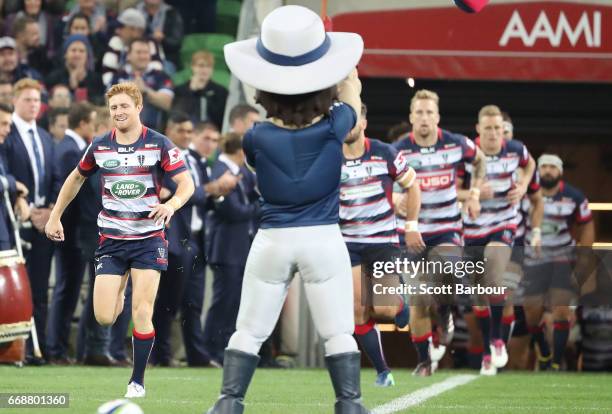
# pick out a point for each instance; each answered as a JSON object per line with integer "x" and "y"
{"x": 81, "y": 143}
{"x": 196, "y": 220}
{"x": 23, "y": 127}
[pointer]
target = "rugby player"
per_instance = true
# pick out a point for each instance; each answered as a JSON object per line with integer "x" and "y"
{"x": 435, "y": 155}
{"x": 494, "y": 228}
{"x": 567, "y": 223}
{"x": 133, "y": 160}
{"x": 367, "y": 221}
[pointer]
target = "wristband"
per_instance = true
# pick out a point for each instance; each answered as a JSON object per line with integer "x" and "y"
{"x": 412, "y": 225}
{"x": 536, "y": 230}
{"x": 475, "y": 193}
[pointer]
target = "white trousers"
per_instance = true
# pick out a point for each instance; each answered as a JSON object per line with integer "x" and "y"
{"x": 321, "y": 257}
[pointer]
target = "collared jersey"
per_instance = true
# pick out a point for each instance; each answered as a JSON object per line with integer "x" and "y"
{"x": 366, "y": 194}
{"x": 436, "y": 174}
{"x": 298, "y": 170}
{"x": 497, "y": 214}
{"x": 131, "y": 177}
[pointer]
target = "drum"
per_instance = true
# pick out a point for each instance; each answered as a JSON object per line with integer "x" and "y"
{"x": 15, "y": 305}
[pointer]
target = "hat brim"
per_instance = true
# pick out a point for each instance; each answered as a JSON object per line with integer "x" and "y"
{"x": 248, "y": 66}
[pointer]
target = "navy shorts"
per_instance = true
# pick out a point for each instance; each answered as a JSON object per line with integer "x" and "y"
{"x": 451, "y": 237}
{"x": 366, "y": 253}
{"x": 539, "y": 279}
{"x": 505, "y": 236}
{"x": 115, "y": 257}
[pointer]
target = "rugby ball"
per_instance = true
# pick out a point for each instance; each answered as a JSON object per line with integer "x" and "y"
{"x": 120, "y": 407}
{"x": 471, "y": 6}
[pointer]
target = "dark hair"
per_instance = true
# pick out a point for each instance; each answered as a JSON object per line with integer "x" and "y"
{"x": 231, "y": 143}
{"x": 506, "y": 117}
{"x": 6, "y": 108}
{"x": 54, "y": 113}
{"x": 240, "y": 111}
{"x": 137, "y": 40}
{"x": 298, "y": 110}
{"x": 21, "y": 23}
{"x": 178, "y": 117}
{"x": 80, "y": 111}
{"x": 397, "y": 131}
{"x": 79, "y": 15}
{"x": 364, "y": 110}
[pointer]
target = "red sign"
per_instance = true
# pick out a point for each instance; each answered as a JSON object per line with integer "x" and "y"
{"x": 518, "y": 41}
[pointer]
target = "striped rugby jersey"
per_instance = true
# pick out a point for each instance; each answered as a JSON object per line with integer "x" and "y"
{"x": 130, "y": 181}
{"x": 563, "y": 209}
{"x": 436, "y": 174}
{"x": 497, "y": 214}
{"x": 366, "y": 190}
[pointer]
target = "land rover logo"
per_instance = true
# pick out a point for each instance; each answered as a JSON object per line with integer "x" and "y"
{"x": 128, "y": 189}
{"x": 110, "y": 164}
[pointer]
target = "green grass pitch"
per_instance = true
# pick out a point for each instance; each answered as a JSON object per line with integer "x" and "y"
{"x": 186, "y": 390}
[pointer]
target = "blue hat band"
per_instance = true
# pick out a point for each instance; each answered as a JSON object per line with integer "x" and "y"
{"x": 284, "y": 60}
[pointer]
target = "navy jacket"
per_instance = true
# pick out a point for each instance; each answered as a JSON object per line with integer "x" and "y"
{"x": 6, "y": 229}
{"x": 232, "y": 225}
{"x": 179, "y": 231}
{"x": 67, "y": 157}
{"x": 18, "y": 163}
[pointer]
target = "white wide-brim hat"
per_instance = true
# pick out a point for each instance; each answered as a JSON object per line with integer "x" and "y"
{"x": 294, "y": 55}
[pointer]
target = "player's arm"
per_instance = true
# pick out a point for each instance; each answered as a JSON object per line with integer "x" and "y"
{"x": 585, "y": 234}
{"x": 516, "y": 194}
{"x": 410, "y": 206}
{"x": 536, "y": 215}
{"x": 161, "y": 98}
{"x": 70, "y": 189}
{"x": 472, "y": 201}
{"x": 184, "y": 190}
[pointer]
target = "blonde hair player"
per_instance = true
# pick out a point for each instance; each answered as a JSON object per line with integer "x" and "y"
{"x": 132, "y": 159}
{"x": 307, "y": 81}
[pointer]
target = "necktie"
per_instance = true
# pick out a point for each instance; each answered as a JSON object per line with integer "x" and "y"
{"x": 192, "y": 170}
{"x": 39, "y": 159}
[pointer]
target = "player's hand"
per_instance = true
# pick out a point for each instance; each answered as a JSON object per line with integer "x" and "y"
{"x": 161, "y": 213}
{"x": 536, "y": 241}
{"x": 414, "y": 241}
{"x": 39, "y": 218}
{"x": 486, "y": 191}
{"x": 515, "y": 195}
{"x": 22, "y": 209}
{"x": 226, "y": 183}
{"x": 54, "y": 230}
{"x": 22, "y": 190}
{"x": 473, "y": 207}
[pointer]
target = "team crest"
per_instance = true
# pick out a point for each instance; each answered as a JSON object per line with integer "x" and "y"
{"x": 141, "y": 160}
{"x": 161, "y": 251}
{"x": 175, "y": 155}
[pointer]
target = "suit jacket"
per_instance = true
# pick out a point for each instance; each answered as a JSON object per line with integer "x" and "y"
{"x": 232, "y": 224}
{"x": 18, "y": 163}
{"x": 67, "y": 157}
{"x": 180, "y": 224}
{"x": 6, "y": 229}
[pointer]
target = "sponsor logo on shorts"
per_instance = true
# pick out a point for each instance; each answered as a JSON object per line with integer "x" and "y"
{"x": 128, "y": 189}
{"x": 110, "y": 164}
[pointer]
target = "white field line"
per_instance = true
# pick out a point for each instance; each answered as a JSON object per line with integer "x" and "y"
{"x": 419, "y": 396}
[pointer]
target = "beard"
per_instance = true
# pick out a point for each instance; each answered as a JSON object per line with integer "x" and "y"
{"x": 549, "y": 182}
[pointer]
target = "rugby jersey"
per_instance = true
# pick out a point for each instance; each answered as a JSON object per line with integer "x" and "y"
{"x": 524, "y": 207}
{"x": 566, "y": 207}
{"x": 298, "y": 170}
{"x": 131, "y": 177}
{"x": 596, "y": 333}
{"x": 497, "y": 213}
{"x": 436, "y": 174}
{"x": 366, "y": 194}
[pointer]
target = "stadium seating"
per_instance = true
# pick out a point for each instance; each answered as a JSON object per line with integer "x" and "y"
{"x": 228, "y": 16}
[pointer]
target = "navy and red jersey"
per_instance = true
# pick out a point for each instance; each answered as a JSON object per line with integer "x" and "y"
{"x": 596, "y": 337}
{"x": 130, "y": 181}
{"x": 366, "y": 194}
{"x": 561, "y": 211}
{"x": 436, "y": 168}
{"x": 498, "y": 214}
{"x": 524, "y": 206}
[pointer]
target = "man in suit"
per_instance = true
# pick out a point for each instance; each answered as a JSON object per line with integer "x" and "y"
{"x": 232, "y": 228}
{"x": 183, "y": 283}
{"x": 29, "y": 152}
{"x": 17, "y": 191}
{"x": 69, "y": 264}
